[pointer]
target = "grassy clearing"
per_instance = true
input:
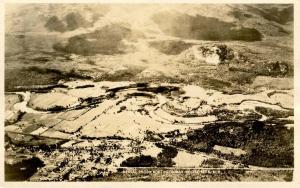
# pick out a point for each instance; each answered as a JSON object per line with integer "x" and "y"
{"x": 51, "y": 101}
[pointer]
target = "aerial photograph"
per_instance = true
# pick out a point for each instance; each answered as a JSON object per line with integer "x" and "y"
{"x": 148, "y": 92}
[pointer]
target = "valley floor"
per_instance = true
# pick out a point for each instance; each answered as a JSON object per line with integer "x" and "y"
{"x": 112, "y": 131}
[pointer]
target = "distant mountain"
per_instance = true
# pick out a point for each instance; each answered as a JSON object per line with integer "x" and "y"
{"x": 268, "y": 20}
{"x": 143, "y": 42}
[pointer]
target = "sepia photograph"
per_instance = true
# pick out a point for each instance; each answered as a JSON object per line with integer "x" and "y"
{"x": 152, "y": 92}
